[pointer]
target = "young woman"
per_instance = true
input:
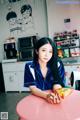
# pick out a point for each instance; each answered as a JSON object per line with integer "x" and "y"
{"x": 45, "y": 72}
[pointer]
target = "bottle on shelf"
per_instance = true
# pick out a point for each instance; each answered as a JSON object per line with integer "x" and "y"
{"x": 59, "y": 51}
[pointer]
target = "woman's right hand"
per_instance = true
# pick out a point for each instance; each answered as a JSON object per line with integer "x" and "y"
{"x": 53, "y": 98}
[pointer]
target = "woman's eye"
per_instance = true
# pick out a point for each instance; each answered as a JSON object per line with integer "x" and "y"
{"x": 50, "y": 52}
{"x": 43, "y": 50}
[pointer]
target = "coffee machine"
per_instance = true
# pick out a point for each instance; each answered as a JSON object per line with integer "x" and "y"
{"x": 10, "y": 50}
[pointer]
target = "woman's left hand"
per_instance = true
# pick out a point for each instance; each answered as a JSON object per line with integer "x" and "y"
{"x": 57, "y": 98}
{"x": 54, "y": 98}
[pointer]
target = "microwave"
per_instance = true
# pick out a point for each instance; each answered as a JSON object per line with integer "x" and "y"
{"x": 26, "y": 47}
{"x": 26, "y": 54}
{"x": 26, "y": 42}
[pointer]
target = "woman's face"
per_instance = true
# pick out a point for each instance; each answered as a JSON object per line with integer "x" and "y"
{"x": 45, "y": 53}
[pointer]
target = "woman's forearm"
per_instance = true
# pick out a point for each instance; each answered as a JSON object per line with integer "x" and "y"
{"x": 50, "y": 97}
{"x": 36, "y": 91}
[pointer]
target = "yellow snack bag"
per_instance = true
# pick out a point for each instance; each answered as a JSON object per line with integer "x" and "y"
{"x": 64, "y": 92}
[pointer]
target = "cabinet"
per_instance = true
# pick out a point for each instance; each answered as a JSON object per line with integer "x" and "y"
{"x": 68, "y": 44}
{"x": 14, "y": 76}
{"x": 11, "y": 81}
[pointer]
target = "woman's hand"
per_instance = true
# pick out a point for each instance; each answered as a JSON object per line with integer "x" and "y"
{"x": 53, "y": 98}
{"x": 56, "y": 86}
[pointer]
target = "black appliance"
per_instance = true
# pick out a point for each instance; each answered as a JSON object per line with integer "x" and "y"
{"x": 10, "y": 50}
{"x": 2, "y": 87}
{"x": 75, "y": 79}
{"x": 25, "y": 47}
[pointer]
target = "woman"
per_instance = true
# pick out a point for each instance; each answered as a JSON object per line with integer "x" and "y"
{"x": 46, "y": 72}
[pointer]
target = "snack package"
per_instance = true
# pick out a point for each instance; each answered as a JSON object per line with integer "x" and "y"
{"x": 64, "y": 92}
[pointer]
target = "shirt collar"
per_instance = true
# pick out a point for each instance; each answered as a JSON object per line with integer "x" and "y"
{"x": 37, "y": 67}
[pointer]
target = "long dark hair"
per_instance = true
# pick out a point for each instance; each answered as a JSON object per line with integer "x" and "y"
{"x": 53, "y": 63}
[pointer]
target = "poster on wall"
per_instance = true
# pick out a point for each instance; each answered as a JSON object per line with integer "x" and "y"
{"x": 25, "y": 18}
{"x": 21, "y": 25}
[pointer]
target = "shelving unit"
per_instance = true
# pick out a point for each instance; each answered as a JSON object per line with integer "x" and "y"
{"x": 68, "y": 44}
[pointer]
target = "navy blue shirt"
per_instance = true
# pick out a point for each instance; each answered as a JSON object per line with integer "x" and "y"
{"x": 41, "y": 83}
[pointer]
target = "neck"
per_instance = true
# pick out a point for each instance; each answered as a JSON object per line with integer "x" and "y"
{"x": 42, "y": 64}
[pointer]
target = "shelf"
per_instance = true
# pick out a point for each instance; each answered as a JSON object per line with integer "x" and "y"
{"x": 71, "y": 60}
{"x": 68, "y": 44}
{"x": 70, "y": 47}
{"x": 63, "y": 39}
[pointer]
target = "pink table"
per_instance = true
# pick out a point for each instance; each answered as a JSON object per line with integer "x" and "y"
{"x": 35, "y": 108}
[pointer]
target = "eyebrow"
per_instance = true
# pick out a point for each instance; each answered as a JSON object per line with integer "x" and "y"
{"x": 45, "y": 48}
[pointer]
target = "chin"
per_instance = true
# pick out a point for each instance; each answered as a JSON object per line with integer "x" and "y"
{"x": 45, "y": 61}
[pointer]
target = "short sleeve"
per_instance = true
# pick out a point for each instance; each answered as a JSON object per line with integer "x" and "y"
{"x": 28, "y": 77}
{"x": 62, "y": 73}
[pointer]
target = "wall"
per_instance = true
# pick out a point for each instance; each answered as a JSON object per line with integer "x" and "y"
{"x": 58, "y": 12}
{"x": 38, "y": 15}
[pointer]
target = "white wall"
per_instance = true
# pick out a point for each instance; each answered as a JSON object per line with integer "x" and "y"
{"x": 39, "y": 17}
{"x": 58, "y": 12}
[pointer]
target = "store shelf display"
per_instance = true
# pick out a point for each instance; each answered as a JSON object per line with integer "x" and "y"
{"x": 68, "y": 43}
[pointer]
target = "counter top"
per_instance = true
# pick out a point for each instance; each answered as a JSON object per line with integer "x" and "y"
{"x": 9, "y": 60}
